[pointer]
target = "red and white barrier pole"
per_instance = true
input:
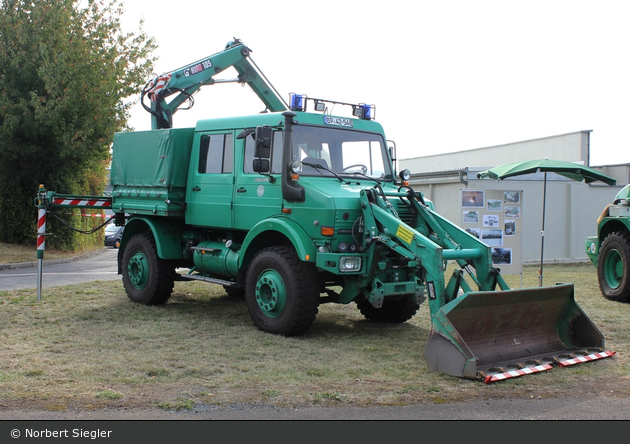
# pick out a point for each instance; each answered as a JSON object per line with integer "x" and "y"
{"x": 41, "y": 237}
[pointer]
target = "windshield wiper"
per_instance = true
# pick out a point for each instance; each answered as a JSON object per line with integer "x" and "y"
{"x": 318, "y": 167}
{"x": 357, "y": 173}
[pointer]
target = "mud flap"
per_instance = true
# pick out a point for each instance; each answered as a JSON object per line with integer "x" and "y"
{"x": 494, "y": 332}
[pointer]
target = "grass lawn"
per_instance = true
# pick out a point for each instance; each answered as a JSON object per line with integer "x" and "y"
{"x": 88, "y": 346}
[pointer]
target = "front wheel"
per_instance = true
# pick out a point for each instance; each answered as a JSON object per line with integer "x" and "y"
{"x": 281, "y": 292}
{"x": 613, "y": 266}
{"x": 147, "y": 279}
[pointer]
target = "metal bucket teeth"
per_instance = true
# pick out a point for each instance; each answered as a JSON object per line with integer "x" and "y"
{"x": 562, "y": 360}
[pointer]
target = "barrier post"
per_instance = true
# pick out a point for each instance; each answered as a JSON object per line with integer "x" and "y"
{"x": 41, "y": 237}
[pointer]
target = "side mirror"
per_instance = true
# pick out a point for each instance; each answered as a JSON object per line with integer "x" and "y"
{"x": 261, "y": 165}
{"x": 263, "y": 142}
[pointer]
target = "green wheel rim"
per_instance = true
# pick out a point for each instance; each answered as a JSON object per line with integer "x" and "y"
{"x": 138, "y": 270}
{"x": 613, "y": 269}
{"x": 271, "y": 294}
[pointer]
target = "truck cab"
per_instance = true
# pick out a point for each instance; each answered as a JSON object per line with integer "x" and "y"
{"x": 330, "y": 157}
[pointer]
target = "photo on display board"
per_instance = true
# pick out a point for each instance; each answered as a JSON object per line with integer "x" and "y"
{"x": 472, "y": 198}
{"x": 512, "y": 197}
{"x": 495, "y": 205}
{"x": 492, "y": 236}
{"x": 509, "y": 227}
{"x": 471, "y": 217}
{"x": 474, "y": 231}
{"x": 501, "y": 256}
{"x": 511, "y": 211}
{"x": 490, "y": 220}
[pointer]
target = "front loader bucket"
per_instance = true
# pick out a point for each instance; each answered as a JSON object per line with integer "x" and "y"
{"x": 485, "y": 334}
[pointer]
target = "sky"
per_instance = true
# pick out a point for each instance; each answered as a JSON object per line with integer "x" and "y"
{"x": 444, "y": 76}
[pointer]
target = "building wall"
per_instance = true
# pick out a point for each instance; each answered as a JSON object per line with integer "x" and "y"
{"x": 571, "y": 209}
{"x": 571, "y": 147}
{"x": 571, "y": 212}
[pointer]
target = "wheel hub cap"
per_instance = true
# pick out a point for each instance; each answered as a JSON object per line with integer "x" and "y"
{"x": 271, "y": 293}
{"x": 613, "y": 269}
{"x": 138, "y": 270}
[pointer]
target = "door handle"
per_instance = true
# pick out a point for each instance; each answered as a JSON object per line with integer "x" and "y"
{"x": 241, "y": 190}
{"x": 196, "y": 189}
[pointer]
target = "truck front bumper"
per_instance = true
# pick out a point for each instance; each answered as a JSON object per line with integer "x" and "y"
{"x": 592, "y": 248}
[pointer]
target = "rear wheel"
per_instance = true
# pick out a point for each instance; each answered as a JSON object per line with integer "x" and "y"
{"x": 281, "y": 292}
{"x": 147, "y": 279}
{"x": 613, "y": 267}
{"x": 393, "y": 310}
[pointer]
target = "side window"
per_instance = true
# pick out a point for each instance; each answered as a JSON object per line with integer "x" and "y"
{"x": 216, "y": 154}
{"x": 276, "y": 154}
{"x": 276, "y": 157}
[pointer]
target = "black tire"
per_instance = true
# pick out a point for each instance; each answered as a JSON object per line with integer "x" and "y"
{"x": 613, "y": 267}
{"x": 393, "y": 310}
{"x": 282, "y": 292}
{"x": 147, "y": 279}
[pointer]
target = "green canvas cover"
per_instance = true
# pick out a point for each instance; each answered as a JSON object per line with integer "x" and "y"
{"x": 156, "y": 158}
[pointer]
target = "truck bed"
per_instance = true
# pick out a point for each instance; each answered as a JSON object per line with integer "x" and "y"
{"x": 149, "y": 168}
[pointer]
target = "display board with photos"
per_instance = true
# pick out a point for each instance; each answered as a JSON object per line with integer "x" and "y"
{"x": 494, "y": 217}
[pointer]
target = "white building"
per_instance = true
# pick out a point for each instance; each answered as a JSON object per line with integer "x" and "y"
{"x": 572, "y": 208}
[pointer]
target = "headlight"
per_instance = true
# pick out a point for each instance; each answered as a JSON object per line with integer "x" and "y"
{"x": 296, "y": 167}
{"x": 405, "y": 175}
{"x": 349, "y": 264}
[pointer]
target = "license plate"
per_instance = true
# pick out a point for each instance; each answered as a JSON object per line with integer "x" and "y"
{"x": 338, "y": 121}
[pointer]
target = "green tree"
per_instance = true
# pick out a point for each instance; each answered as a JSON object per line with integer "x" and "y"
{"x": 67, "y": 71}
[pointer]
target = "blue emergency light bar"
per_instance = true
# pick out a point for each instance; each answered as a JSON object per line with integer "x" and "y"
{"x": 298, "y": 102}
{"x": 363, "y": 111}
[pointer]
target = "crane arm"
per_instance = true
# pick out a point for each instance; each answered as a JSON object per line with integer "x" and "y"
{"x": 186, "y": 81}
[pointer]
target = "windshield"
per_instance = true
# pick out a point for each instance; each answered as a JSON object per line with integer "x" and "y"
{"x": 111, "y": 228}
{"x": 342, "y": 151}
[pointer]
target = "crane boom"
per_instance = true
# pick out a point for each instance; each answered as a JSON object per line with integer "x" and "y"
{"x": 186, "y": 81}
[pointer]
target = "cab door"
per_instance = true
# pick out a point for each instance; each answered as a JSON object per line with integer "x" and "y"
{"x": 257, "y": 197}
{"x": 210, "y": 192}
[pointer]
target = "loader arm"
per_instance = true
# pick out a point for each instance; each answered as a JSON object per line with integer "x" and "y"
{"x": 429, "y": 245}
{"x": 186, "y": 81}
{"x": 489, "y": 333}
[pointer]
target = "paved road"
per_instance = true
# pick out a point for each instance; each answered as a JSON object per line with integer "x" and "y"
{"x": 98, "y": 266}
{"x": 569, "y": 408}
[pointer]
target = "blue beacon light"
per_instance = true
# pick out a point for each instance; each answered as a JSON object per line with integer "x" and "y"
{"x": 297, "y": 102}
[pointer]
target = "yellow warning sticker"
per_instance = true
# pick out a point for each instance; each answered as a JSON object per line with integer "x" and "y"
{"x": 405, "y": 234}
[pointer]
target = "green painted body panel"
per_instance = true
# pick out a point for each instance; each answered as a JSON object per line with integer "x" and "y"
{"x": 167, "y": 233}
{"x": 615, "y": 218}
{"x": 624, "y": 193}
{"x": 150, "y": 168}
{"x": 285, "y": 227}
{"x": 275, "y": 119}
